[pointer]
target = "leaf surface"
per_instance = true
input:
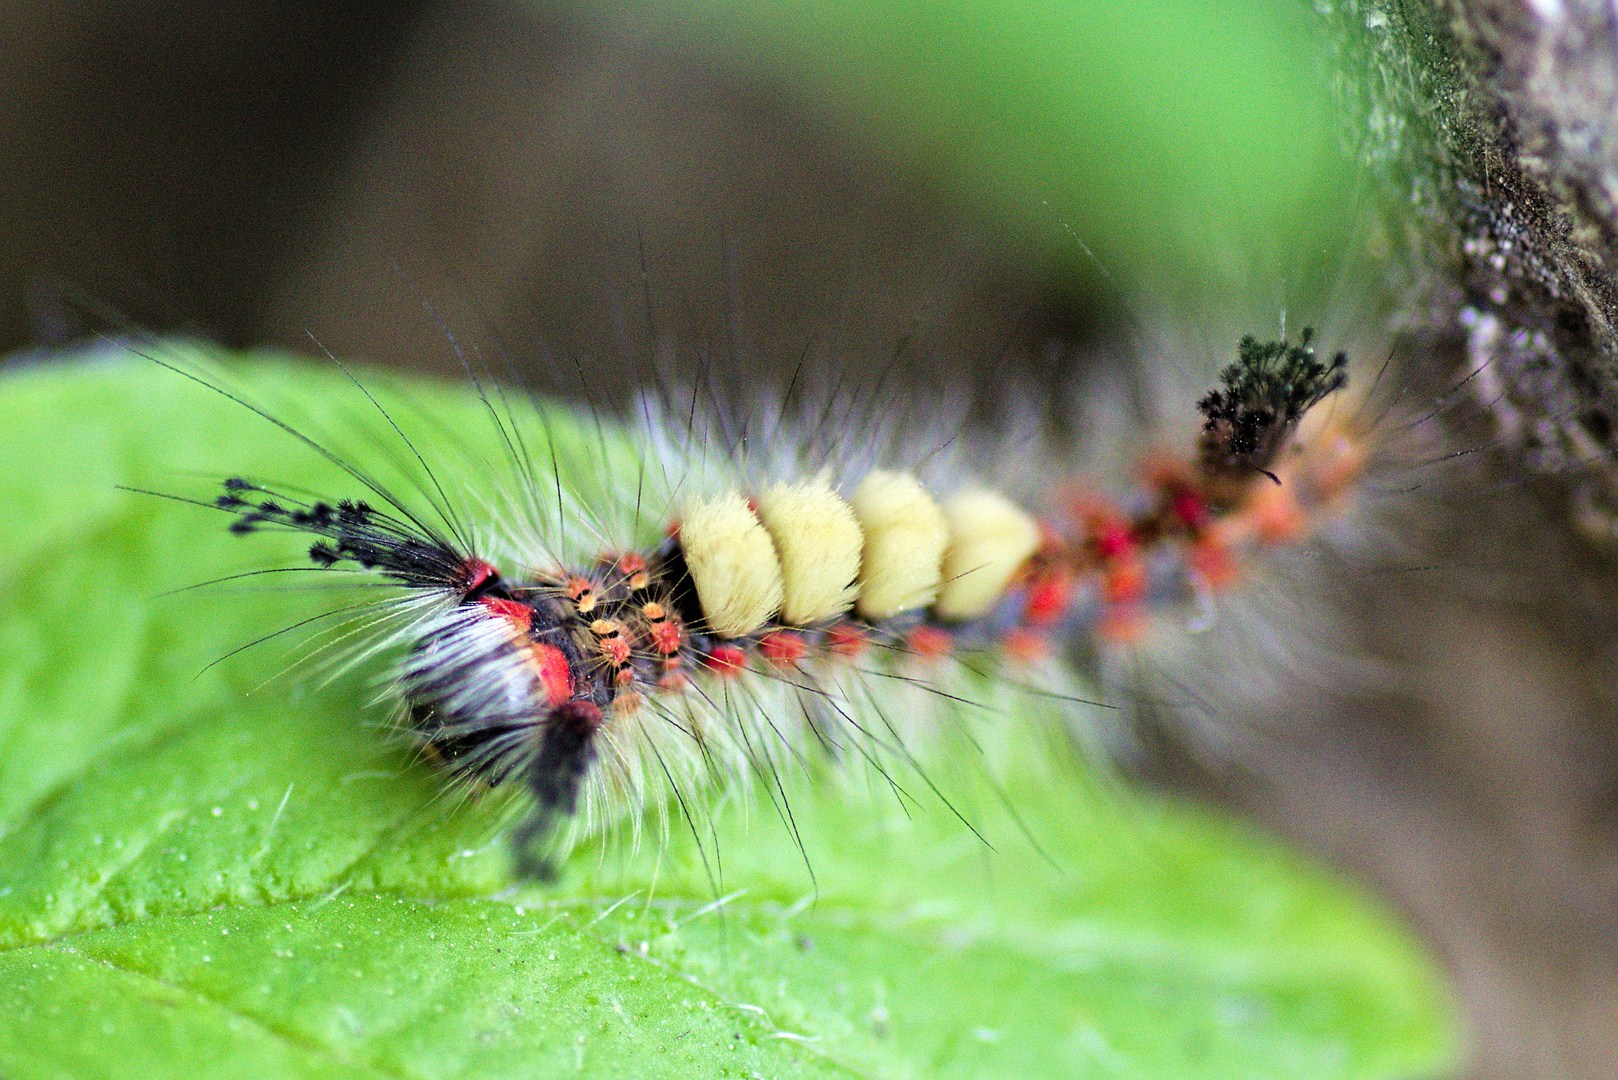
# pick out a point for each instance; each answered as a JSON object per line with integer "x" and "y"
{"x": 210, "y": 867}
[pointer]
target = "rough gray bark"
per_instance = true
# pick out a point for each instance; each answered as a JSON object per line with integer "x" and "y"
{"x": 1443, "y": 716}
{"x": 1531, "y": 141}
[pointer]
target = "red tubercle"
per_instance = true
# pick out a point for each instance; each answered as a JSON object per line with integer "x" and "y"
{"x": 666, "y": 636}
{"x": 1088, "y": 529}
{"x": 1110, "y": 536}
{"x": 474, "y": 573}
{"x": 516, "y": 612}
{"x": 1049, "y": 595}
{"x": 610, "y": 641}
{"x": 615, "y": 650}
{"x": 554, "y": 674}
{"x": 1190, "y": 508}
{"x": 783, "y": 648}
{"x": 726, "y": 660}
{"x": 846, "y": 639}
{"x": 634, "y": 570}
{"x": 930, "y": 642}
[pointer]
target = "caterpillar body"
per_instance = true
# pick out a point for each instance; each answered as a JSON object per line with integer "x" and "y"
{"x": 593, "y": 671}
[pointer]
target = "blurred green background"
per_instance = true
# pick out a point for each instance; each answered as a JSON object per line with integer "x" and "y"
{"x": 1162, "y": 133}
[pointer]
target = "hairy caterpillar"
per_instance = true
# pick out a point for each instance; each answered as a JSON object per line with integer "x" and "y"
{"x": 591, "y": 646}
{"x": 235, "y": 799}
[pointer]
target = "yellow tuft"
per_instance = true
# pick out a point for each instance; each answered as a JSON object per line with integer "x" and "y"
{"x": 905, "y": 534}
{"x": 733, "y": 564}
{"x": 819, "y": 543}
{"x": 990, "y": 537}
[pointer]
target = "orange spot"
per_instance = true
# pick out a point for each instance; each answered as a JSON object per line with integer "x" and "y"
{"x": 1025, "y": 645}
{"x": 1337, "y": 465}
{"x": 1275, "y": 514}
{"x": 627, "y": 704}
{"x": 653, "y": 611}
{"x": 671, "y": 680}
{"x": 1125, "y": 583}
{"x": 517, "y": 613}
{"x": 846, "y": 639}
{"x": 624, "y": 677}
{"x": 1122, "y": 624}
{"x": 727, "y": 660}
{"x": 551, "y": 667}
{"x": 582, "y": 592}
{"x": 631, "y": 564}
{"x": 784, "y": 649}
{"x": 1211, "y": 556}
{"x": 930, "y": 642}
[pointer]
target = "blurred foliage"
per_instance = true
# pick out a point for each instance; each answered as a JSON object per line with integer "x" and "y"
{"x": 1175, "y": 139}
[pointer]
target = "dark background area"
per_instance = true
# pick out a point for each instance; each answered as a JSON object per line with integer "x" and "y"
{"x": 270, "y": 171}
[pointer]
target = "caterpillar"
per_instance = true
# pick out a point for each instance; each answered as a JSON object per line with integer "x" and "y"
{"x": 588, "y": 647}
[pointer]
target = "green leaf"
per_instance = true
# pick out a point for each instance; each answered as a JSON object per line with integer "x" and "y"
{"x": 217, "y": 869}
